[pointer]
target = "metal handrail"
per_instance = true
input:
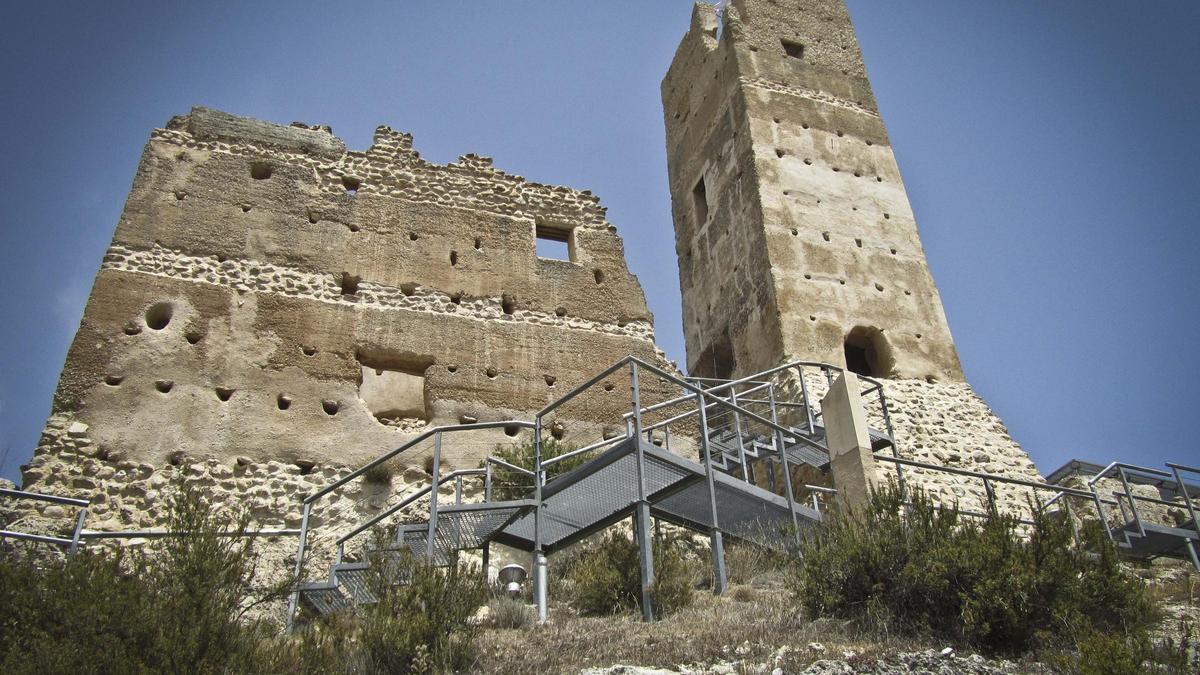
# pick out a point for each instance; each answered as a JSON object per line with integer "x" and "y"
{"x": 436, "y": 434}
{"x": 72, "y": 544}
{"x": 586, "y": 385}
{"x": 1122, "y": 465}
{"x": 988, "y": 476}
{"x": 587, "y": 448}
{"x": 507, "y": 465}
{"x": 162, "y": 534}
{"x": 22, "y": 494}
{"x": 682, "y": 399}
{"x": 424, "y": 436}
{"x": 409, "y": 500}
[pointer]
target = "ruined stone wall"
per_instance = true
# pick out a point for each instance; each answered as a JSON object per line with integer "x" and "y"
{"x": 806, "y": 214}
{"x": 270, "y": 296}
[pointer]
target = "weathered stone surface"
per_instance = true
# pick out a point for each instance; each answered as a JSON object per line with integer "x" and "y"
{"x": 270, "y": 296}
{"x": 795, "y": 235}
{"x": 793, "y": 229}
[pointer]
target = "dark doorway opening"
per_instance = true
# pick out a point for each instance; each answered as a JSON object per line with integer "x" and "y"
{"x": 867, "y": 352}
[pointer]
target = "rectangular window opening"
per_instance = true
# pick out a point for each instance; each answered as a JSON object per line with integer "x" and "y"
{"x": 555, "y": 242}
{"x": 793, "y": 49}
{"x": 700, "y": 202}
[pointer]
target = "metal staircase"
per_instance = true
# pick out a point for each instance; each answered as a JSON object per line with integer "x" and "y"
{"x": 696, "y": 459}
{"x": 1144, "y": 527}
{"x": 688, "y": 460}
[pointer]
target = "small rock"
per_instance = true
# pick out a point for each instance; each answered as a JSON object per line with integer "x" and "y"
{"x": 948, "y": 651}
{"x": 77, "y": 430}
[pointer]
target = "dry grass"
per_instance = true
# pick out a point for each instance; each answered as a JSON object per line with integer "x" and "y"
{"x": 768, "y": 631}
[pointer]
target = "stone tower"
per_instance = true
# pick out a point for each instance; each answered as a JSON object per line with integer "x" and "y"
{"x": 794, "y": 233}
{"x": 795, "y": 237}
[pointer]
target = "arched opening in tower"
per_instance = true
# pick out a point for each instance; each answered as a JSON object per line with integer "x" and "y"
{"x": 868, "y": 353}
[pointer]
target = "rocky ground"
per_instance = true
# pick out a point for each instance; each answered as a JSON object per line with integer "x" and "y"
{"x": 755, "y": 629}
{"x": 928, "y": 662}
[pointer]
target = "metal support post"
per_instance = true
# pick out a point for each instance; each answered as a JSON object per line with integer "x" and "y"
{"x": 787, "y": 471}
{"x": 717, "y": 542}
{"x": 645, "y": 548}
{"x": 433, "y": 497}
{"x": 540, "y": 585}
{"x": 641, "y": 530}
{"x": 458, "y": 492}
{"x": 1191, "y": 547}
{"x": 295, "y": 599}
{"x": 539, "y": 555}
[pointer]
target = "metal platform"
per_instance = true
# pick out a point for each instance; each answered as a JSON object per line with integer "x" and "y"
{"x": 604, "y": 490}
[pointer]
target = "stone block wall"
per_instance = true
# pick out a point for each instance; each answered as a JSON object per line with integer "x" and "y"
{"x": 272, "y": 299}
{"x": 793, "y": 228}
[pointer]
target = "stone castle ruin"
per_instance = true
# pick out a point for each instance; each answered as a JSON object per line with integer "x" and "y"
{"x": 794, "y": 233}
{"x": 275, "y": 310}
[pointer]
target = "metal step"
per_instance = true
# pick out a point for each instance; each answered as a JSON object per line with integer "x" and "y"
{"x": 1160, "y": 541}
{"x": 603, "y": 491}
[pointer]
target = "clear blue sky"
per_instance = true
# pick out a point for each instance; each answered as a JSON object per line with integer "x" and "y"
{"x": 1049, "y": 149}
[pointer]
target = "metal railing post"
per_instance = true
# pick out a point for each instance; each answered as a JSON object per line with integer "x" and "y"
{"x": 642, "y": 515}
{"x": 78, "y": 529}
{"x": 1137, "y": 520}
{"x": 991, "y": 497}
{"x": 433, "y": 497}
{"x": 294, "y": 601}
{"x": 1187, "y": 498}
{"x": 887, "y": 422}
{"x": 720, "y": 577}
{"x": 783, "y": 460}
{"x": 458, "y": 490}
{"x": 1100, "y": 511}
{"x": 487, "y": 481}
{"x": 737, "y": 429}
{"x": 808, "y": 411}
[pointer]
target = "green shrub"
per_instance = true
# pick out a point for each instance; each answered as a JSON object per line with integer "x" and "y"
{"x": 421, "y": 621}
{"x": 606, "y": 577}
{"x": 506, "y": 612}
{"x": 924, "y": 570}
{"x": 179, "y": 608}
{"x": 745, "y": 561}
{"x": 508, "y": 484}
